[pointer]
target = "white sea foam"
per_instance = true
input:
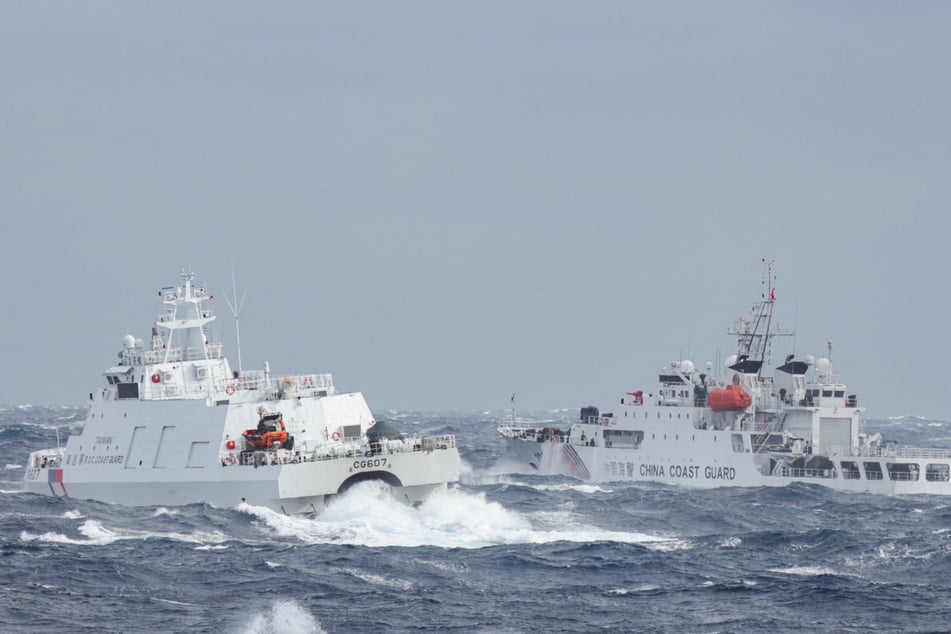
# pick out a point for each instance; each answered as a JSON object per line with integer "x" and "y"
{"x": 805, "y": 571}
{"x": 646, "y": 587}
{"x": 504, "y": 477}
{"x": 72, "y": 515}
{"x": 731, "y": 542}
{"x": 376, "y": 580}
{"x": 98, "y": 535}
{"x": 580, "y": 488}
{"x": 283, "y": 617}
{"x": 368, "y": 515}
{"x": 13, "y": 467}
{"x": 169, "y": 601}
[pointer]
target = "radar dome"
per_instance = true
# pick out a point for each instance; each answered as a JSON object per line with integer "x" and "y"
{"x": 687, "y": 367}
{"x": 730, "y": 360}
{"x": 128, "y": 341}
{"x": 810, "y": 360}
{"x": 823, "y": 366}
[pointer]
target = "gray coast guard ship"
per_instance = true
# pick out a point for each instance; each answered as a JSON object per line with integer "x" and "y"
{"x": 744, "y": 428}
{"x": 172, "y": 424}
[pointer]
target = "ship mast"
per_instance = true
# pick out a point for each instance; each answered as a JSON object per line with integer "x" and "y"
{"x": 755, "y": 334}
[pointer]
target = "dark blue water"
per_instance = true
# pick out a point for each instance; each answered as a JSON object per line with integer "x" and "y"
{"x": 502, "y": 552}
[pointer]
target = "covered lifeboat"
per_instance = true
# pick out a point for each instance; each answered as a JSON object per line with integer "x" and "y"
{"x": 732, "y": 398}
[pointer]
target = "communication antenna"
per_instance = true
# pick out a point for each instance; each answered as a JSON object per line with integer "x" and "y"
{"x": 236, "y": 310}
{"x": 513, "y": 409}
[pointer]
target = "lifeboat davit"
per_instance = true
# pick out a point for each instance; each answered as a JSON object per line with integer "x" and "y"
{"x": 732, "y": 398}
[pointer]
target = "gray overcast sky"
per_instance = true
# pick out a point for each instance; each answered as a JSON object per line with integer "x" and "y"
{"x": 445, "y": 203}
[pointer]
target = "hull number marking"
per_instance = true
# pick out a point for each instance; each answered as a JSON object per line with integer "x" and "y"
{"x": 369, "y": 463}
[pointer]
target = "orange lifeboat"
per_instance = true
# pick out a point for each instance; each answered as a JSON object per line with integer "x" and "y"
{"x": 732, "y": 398}
{"x": 269, "y": 434}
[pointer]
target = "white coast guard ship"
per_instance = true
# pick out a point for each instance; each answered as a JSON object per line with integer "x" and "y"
{"x": 742, "y": 429}
{"x": 172, "y": 424}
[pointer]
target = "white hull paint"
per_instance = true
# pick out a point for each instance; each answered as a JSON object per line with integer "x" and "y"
{"x": 174, "y": 425}
{"x": 691, "y": 461}
{"x": 741, "y": 429}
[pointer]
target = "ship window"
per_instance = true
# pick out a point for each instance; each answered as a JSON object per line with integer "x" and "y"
{"x": 840, "y": 392}
{"x": 850, "y": 471}
{"x": 109, "y": 378}
{"x": 873, "y": 471}
{"x": 937, "y": 473}
{"x": 827, "y": 392}
{"x": 128, "y": 390}
{"x": 903, "y": 471}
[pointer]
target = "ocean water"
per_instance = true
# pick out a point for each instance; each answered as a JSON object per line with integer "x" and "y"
{"x": 503, "y": 551}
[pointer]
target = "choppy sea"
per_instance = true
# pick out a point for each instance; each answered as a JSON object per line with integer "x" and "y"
{"x": 503, "y": 551}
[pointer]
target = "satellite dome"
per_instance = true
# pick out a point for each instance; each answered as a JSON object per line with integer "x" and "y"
{"x": 687, "y": 367}
{"x": 810, "y": 360}
{"x": 823, "y": 366}
{"x": 128, "y": 342}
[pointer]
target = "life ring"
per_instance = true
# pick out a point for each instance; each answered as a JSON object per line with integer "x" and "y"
{"x": 309, "y": 381}
{"x": 156, "y": 378}
{"x": 229, "y": 390}
{"x": 336, "y": 435}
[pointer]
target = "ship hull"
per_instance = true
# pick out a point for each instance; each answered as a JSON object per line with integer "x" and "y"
{"x": 288, "y": 488}
{"x": 710, "y": 462}
{"x": 170, "y": 453}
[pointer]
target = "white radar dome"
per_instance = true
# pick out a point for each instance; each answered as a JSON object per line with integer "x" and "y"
{"x": 687, "y": 367}
{"x": 810, "y": 360}
{"x": 823, "y": 366}
{"x": 128, "y": 341}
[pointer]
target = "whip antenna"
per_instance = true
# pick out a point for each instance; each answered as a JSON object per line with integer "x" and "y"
{"x": 236, "y": 310}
